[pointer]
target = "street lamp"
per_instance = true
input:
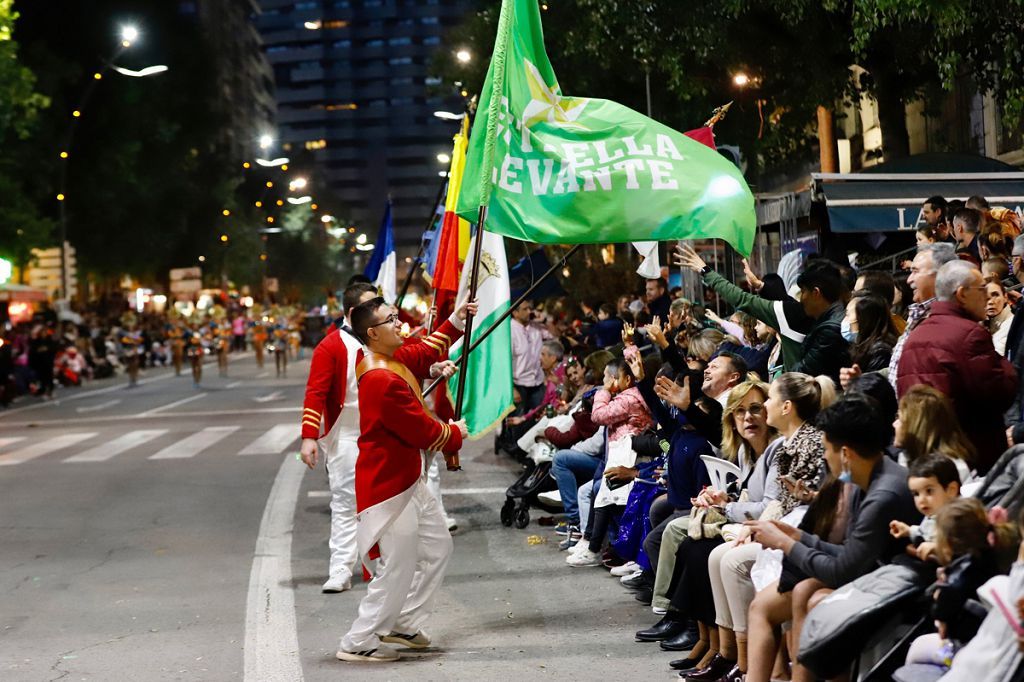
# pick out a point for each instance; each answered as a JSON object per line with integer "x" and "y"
{"x": 266, "y": 141}
{"x": 272, "y": 163}
{"x": 297, "y": 183}
{"x": 128, "y": 34}
{"x": 449, "y": 116}
{"x": 741, "y": 80}
{"x": 464, "y": 56}
{"x": 443, "y": 158}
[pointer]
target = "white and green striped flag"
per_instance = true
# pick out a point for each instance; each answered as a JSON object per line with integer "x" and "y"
{"x": 488, "y": 396}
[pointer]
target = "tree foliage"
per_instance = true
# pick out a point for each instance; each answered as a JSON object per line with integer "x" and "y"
{"x": 798, "y": 55}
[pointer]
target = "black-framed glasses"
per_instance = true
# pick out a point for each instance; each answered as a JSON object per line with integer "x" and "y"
{"x": 390, "y": 319}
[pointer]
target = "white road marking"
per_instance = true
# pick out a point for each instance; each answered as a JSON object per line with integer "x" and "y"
{"x": 318, "y": 493}
{"x": 262, "y": 375}
{"x": 234, "y": 384}
{"x": 105, "y": 451}
{"x": 196, "y": 443}
{"x": 40, "y": 448}
{"x": 270, "y": 397}
{"x": 4, "y": 442}
{"x": 271, "y": 640}
{"x": 87, "y": 394}
{"x": 162, "y": 416}
{"x": 273, "y": 441}
{"x": 97, "y": 408}
{"x": 473, "y": 491}
{"x": 157, "y": 410}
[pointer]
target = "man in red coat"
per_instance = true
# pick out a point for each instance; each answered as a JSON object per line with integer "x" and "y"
{"x": 953, "y": 353}
{"x": 396, "y": 512}
{"x": 330, "y": 420}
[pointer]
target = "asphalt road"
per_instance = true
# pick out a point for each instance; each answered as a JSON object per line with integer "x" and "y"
{"x": 146, "y": 534}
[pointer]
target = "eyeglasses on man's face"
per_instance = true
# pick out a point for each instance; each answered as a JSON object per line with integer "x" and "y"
{"x": 390, "y": 319}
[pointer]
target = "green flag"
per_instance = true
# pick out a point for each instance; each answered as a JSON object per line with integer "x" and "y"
{"x": 489, "y": 373}
{"x": 580, "y": 170}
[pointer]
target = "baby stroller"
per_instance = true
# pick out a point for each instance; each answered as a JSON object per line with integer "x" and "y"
{"x": 537, "y": 479}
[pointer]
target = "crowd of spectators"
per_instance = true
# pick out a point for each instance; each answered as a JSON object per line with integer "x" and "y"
{"x": 735, "y": 470}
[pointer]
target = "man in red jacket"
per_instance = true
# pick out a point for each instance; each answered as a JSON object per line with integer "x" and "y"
{"x": 400, "y": 523}
{"x": 330, "y": 419}
{"x": 953, "y": 353}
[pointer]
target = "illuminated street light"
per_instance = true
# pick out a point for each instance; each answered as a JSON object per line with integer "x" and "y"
{"x": 463, "y": 56}
{"x": 129, "y": 34}
{"x": 313, "y": 25}
{"x": 741, "y": 79}
{"x": 444, "y": 158}
{"x": 361, "y": 239}
{"x": 326, "y": 218}
{"x": 141, "y": 73}
{"x": 449, "y": 116}
{"x": 202, "y": 259}
{"x": 266, "y": 141}
{"x": 272, "y": 163}
{"x": 300, "y": 200}
{"x": 297, "y": 183}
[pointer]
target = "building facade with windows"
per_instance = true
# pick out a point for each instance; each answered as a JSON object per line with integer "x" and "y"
{"x": 354, "y": 93}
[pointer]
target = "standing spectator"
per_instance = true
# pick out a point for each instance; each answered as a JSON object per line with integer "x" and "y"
{"x": 825, "y": 349}
{"x": 922, "y": 281}
{"x": 41, "y": 353}
{"x": 527, "y": 373}
{"x": 238, "y": 332}
{"x": 926, "y": 424}
{"x": 607, "y": 331}
{"x": 966, "y": 223}
{"x": 997, "y": 310}
{"x": 658, "y": 301}
{"x": 934, "y": 211}
{"x": 882, "y": 284}
{"x": 953, "y": 353}
{"x": 869, "y": 329}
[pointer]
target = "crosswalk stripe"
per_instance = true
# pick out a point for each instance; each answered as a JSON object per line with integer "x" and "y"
{"x": 4, "y": 442}
{"x": 123, "y": 443}
{"x": 273, "y": 441}
{"x": 196, "y": 443}
{"x": 41, "y": 448}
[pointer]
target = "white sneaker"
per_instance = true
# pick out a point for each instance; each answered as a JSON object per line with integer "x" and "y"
{"x": 584, "y": 559}
{"x": 382, "y": 654}
{"x": 452, "y": 523}
{"x": 417, "y": 641}
{"x": 628, "y": 568}
{"x": 626, "y": 578}
{"x": 551, "y": 497}
{"x": 337, "y": 583}
{"x": 582, "y": 546}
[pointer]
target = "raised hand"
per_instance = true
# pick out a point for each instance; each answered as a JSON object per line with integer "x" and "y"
{"x": 656, "y": 333}
{"x": 686, "y": 257}
{"x": 636, "y": 365}
{"x": 753, "y": 281}
{"x": 673, "y": 393}
{"x": 627, "y": 334}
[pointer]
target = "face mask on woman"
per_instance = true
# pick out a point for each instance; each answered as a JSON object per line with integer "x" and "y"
{"x": 847, "y": 332}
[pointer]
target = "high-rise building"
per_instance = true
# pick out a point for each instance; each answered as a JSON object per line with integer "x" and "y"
{"x": 354, "y": 88}
{"x": 245, "y": 82}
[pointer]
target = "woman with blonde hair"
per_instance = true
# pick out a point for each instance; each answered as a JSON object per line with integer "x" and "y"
{"x": 681, "y": 584}
{"x": 926, "y": 423}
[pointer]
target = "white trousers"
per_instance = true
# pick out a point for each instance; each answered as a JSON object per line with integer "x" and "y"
{"x": 437, "y": 465}
{"x": 733, "y": 591}
{"x": 414, "y": 552}
{"x": 341, "y": 473}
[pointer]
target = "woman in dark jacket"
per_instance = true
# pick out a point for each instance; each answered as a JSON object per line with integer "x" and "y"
{"x": 869, "y": 329}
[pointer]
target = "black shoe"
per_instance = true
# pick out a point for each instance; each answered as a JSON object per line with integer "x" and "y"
{"x": 644, "y": 596}
{"x": 734, "y": 675}
{"x": 684, "y": 641}
{"x": 719, "y": 666}
{"x": 640, "y": 582}
{"x": 662, "y": 630}
{"x": 685, "y": 664}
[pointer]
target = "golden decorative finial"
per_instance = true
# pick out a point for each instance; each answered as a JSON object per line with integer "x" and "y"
{"x": 717, "y": 115}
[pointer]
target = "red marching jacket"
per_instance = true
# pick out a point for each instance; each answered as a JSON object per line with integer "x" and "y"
{"x": 394, "y": 426}
{"x": 325, "y": 388}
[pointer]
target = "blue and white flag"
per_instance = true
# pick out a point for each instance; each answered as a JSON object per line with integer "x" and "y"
{"x": 382, "y": 269}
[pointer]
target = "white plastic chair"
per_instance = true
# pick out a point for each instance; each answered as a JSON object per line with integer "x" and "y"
{"x": 719, "y": 469}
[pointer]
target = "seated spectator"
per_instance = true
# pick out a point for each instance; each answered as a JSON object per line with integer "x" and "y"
{"x": 934, "y": 482}
{"x": 926, "y": 424}
{"x": 953, "y": 353}
{"x": 703, "y": 410}
{"x": 681, "y": 582}
{"x": 608, "y": 329}
{"x": 965, "y": 539}
{"x": 619, "y": 407}
{"x": 551, "y": 354}
{"x": 999, "y": 314}
{"x": 855, "y": 438}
